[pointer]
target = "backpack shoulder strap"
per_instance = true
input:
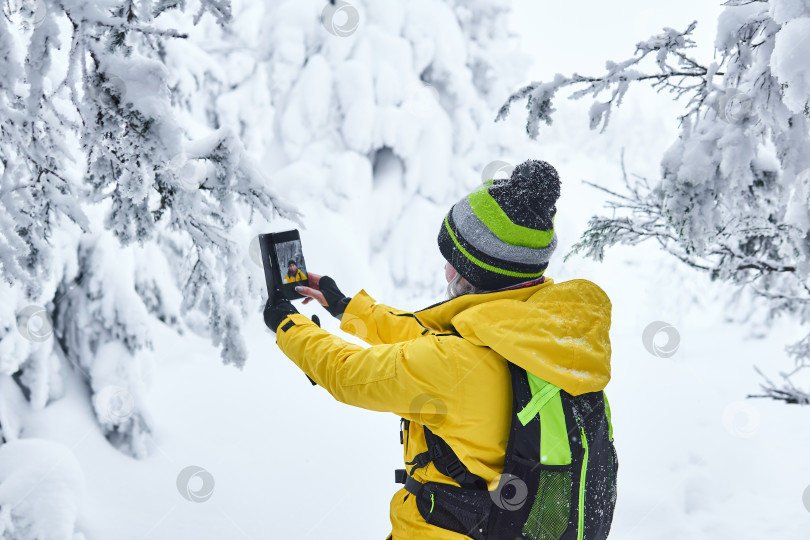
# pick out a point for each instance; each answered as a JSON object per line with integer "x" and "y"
{"x": 446, "y": 462}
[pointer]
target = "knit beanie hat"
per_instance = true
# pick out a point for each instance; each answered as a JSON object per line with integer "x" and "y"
{"x": 502, "y": 233}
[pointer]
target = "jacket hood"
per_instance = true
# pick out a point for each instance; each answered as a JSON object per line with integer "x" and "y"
{"x": 558, "y": 332}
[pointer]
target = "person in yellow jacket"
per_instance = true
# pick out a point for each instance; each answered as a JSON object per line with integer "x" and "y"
{"x": 444, "y": 369}
{"x": 293, "y": 273}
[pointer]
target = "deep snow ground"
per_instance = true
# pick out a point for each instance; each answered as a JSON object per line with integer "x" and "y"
{"x": 697, "y": 460}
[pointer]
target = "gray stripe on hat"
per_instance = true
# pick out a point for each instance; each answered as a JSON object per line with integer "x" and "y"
{"x": 476, "y": 233}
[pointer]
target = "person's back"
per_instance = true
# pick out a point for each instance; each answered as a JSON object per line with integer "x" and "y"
{"x": 478, "y": 378}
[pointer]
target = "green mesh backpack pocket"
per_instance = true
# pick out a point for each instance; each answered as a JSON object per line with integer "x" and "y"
{"x": 549, "y": 516}
{"x": 540, "y": 507}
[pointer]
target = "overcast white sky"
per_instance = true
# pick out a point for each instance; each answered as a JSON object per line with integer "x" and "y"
{"x": 564, "y": 37}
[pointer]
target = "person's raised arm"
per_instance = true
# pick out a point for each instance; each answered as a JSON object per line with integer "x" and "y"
{"x": 360, "y": 316}
{"x": 395, "y": 378}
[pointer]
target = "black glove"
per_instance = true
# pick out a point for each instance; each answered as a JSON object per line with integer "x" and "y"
{"x": 276, "y": 310}
{"x": 336, "y": 300}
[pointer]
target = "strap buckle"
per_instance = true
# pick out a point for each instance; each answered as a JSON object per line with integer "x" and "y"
{"x": 455, "y": 469}
{"x": 435, "y": 452}
{"x": 400, "y": 475}
{"x": 419, "y": 461}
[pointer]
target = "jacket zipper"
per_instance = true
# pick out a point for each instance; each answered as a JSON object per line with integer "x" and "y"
{"x": 582, "y": 479}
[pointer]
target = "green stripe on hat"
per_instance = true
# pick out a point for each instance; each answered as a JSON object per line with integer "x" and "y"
{"x": 496, "y": 220}
{"x": 471, "y": 231}
{"x": 484, "y": 265}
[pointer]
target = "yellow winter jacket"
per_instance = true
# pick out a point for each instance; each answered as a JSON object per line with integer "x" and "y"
{"x": 445, "y": 367}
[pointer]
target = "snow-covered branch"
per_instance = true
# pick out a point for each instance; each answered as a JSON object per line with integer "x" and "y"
{"x": 733, "y": 199}
{"x": 676, "y": 72}
{"x": 101, "y": 164}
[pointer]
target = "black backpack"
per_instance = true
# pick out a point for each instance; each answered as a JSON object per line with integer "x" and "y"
{"x": 559, "y": 476}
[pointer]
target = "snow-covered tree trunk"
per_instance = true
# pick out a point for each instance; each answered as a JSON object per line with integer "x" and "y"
{"x": 734, "y": 196}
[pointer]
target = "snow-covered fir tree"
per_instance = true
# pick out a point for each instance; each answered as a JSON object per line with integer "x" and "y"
{"x": 115, "y": 211}
{"x": 733, "y": 199}
{"x": 144, "y": 144}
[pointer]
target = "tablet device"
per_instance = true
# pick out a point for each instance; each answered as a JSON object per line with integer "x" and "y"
{"x": 283, "y": 261}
